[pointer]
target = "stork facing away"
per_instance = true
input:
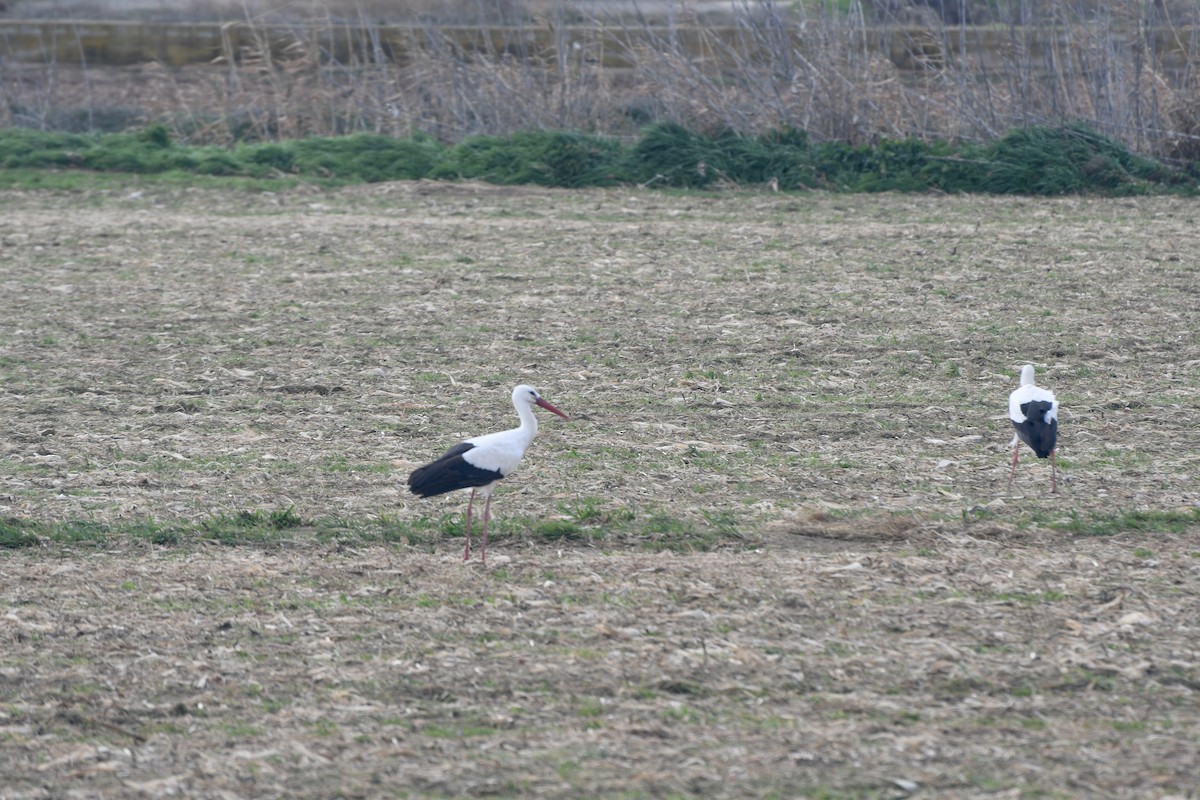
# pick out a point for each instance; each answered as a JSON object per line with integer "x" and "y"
{"x": 482, "y": 462}
{"x": 1034, "y": 413}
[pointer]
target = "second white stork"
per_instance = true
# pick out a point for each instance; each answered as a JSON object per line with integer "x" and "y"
{"x": 1034, "y": 413}
{"x": 480, "y": 463}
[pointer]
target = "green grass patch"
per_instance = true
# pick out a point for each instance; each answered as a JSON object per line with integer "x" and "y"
{"x": 248, "y": 527}
{"x": 80, "y": 532}
{"x": 456, "y": 731}
{"x": 1107, "y": 524}
{"x": 156, "y": 533}
{"x": 1027, "y": 598}
{"x": 1038, "y": 160}
{"x": 556, "y": 529}
{"x": 592, "y": 522}
{"x": 17, "y": 533}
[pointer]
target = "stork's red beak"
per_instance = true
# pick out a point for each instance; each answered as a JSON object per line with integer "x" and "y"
{"x": 550, "y": 408}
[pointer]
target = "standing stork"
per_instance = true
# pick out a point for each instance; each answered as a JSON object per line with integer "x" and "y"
{"x": 480, "y": 463}
{"x": 1034, "y": 413}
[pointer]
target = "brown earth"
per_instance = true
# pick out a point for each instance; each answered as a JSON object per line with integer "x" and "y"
{"x": 816, "y": 383}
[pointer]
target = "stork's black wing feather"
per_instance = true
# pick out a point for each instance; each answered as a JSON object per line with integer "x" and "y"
{"x": 449, "y": 473}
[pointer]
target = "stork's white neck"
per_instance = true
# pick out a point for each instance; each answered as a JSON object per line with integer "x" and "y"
{"x": 1027, "y": 375}
{"x": 529, "y": 424}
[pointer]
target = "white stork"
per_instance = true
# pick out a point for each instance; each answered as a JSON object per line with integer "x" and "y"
{"x": 1034, "y": 413}
{"x": 480, "y": 463}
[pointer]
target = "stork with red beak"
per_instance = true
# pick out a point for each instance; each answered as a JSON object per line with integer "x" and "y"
{"x": 480, "y": 463}
{"x": 1034, "y": 413}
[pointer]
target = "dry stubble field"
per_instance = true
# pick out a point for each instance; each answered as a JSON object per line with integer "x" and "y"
{"x": 809, "y": 388}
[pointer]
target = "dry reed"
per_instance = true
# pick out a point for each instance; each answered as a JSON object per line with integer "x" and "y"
{"x": 1126, "y": 68}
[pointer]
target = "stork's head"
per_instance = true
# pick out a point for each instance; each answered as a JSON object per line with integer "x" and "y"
{"x": 1027, "y": 375}
{"x": 527, "y": 394}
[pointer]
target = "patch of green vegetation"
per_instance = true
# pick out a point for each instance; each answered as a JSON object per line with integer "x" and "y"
{"x": 324, "y": 727}
{"x": 243, "y": 527}
{"x": 80, "y": 532}
{"x": 1027, "y": 598}
{"x": 662, "y": 531}
{"x": 555, "y": 529}
{"x": 456, "y": 732}
{"x": 155, "y": 533}
{"x": 549, "y": 158}
{"x": 17, "y": 533}
{"x": 1085, "y": 680}
{"x": 1099, "y": 523}
{"x": 590, "y": 708}
{"x": 585, "y": 509}
{"x": 1057, "y": 160}
{"x": 249, "y": 526}
{"x": 1129, "y": 725}
{"x": 592, "y": 522}
{"x": 415, "y": 532}
{"x": 240, "y": 730}
{"x": 1038, "y": 160}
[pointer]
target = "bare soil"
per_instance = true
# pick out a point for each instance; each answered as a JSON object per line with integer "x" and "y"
{"x": 817, "y": 383}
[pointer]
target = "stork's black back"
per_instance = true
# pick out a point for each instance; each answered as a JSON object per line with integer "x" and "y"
{"x": 1035, "y": 431}
{"x": 450, "y": 473}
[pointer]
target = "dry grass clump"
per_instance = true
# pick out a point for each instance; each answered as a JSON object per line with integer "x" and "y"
{"x": 846, "y": 525}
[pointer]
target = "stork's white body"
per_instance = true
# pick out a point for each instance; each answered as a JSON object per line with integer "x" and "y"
{"x": 1028, "y": 392}
{"x": 502, "y": 451}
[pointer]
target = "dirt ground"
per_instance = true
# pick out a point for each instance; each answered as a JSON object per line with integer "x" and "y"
{"x": 821, "y": 380}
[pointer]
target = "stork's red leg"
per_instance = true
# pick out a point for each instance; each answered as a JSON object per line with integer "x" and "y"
{"x": 1053, "y": 469}
{"x": 467, "y": 552}
{"x": 1013, "y": 473}
{"x": 487, "y": 514}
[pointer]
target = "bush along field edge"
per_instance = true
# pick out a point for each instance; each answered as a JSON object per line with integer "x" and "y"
{"x": 1038, "y": 160}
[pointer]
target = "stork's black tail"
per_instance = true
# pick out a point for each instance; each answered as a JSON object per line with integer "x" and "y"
{"x": 433, "y": 479}
{"x": 450, "y": 473}
{"x": 1036, "y": 431}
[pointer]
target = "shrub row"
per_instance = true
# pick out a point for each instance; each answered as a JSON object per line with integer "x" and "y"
{"x": 1035, "y": 161}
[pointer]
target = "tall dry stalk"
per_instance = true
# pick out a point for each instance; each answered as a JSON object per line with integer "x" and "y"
{"x": 853, "y": 74}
